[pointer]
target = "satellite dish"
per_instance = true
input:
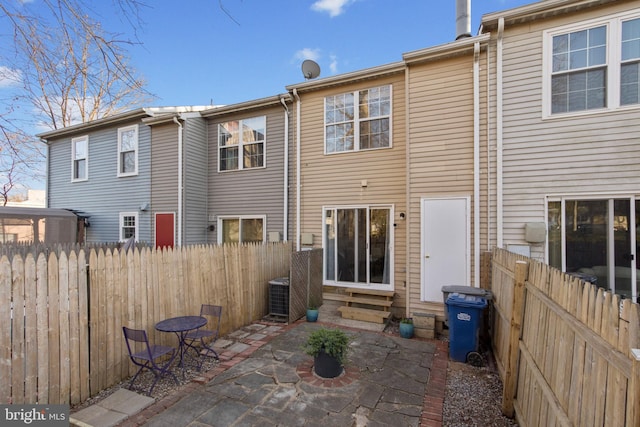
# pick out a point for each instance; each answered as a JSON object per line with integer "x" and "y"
{"x": 310, "y": 69}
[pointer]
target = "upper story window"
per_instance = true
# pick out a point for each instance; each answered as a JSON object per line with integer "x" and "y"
{"x": 359, "y": 120}
{"x": 241, "y": 144}
{"x": 128, "y": 151}
{"x": 630, "y": 67}
{"x": 80, "y": 158}
{"x": 128, "y": 226}
{"x": 593, "y": 66}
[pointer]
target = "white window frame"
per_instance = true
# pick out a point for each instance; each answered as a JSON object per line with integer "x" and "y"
{"x": 120, "y": 151}
{"x": 357, "y": 120}
{"x": 74, "y": 159}
{"x": 221, "y": 218}
{"x": 368, "y": 285}
{"x": 612, "y": 65}
{"x": 121, "y": 225}
{"x": 241, "y": 144}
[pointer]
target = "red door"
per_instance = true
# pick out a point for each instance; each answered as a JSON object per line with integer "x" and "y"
{"x": 165, "y": 230}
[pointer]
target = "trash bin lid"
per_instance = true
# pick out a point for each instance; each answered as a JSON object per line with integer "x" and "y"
{"x": 467, "y": 290}
{"x": 463, "y": 300}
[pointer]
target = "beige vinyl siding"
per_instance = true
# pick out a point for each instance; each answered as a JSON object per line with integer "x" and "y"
{"x": 441, "y": 136}
{"x": 580, "y": 154}
{"x": 256, "y": 191}
{"x": 335, "y": 179}
{"x": 164, "y": 173}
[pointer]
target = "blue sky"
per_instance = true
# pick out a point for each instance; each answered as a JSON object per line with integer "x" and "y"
{"x": 197, "y": 53}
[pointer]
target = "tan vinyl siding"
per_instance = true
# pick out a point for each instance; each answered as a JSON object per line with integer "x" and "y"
{"x": 335, "y": 179}
{"x": 441, "y": 136}
{"x": 580, "y": 154}
{"x": 257, "y": 191}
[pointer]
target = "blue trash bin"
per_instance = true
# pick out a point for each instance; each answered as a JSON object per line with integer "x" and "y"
{"x": 465, "y": 314}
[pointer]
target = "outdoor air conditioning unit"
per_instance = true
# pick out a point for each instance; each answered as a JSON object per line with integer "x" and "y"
{"x": 279, "y": 297}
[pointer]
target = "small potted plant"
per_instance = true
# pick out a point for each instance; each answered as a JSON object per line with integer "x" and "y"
{"x": 312, "y": 313}
{"x": 329, "y": 349}
{"x": 406, "y": 327}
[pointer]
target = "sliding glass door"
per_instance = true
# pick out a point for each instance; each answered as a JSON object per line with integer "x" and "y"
{"x": 596, "y": 238}
{"x": 357, "y": 245}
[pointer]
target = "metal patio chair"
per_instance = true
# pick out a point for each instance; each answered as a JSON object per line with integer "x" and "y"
{"x": 209, "y": 331}
{"x": 146, "y": 357}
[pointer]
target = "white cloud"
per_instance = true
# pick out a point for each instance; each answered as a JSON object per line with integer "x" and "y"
{"x": 308, "y": 53}
{"x": 333, "y": 7}
{"x": 9, "y": 77}
{"x": 333, "y": 66}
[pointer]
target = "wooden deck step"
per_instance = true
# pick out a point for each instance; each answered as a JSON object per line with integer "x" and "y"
{"x": 361, "y": 291}
{"x": 370, "y": 301}
{"x": 365, "y": 314}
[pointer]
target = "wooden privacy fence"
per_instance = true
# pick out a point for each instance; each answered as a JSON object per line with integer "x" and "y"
{"x": 61, "y": 339}
{"x": 564, "y": 347}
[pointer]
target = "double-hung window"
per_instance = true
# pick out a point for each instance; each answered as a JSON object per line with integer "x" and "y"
{"x": 80, "y": 158}
{"x": 128, "y": 226}
{"x": 241, "y": 229}
{"x": 359, "y": 120}
{"x": 593, "y": 66}
{"x": 241, "y": 144}
{"x": 128, "y": 151}
{"x": 630, "y": 64}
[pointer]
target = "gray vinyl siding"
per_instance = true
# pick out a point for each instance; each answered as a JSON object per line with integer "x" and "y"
{"x": 104, "y": 195}
{"x": 258, "y": 191}
{"x": 580, "y": 154}
{"x": 164, "y": 174}
{"x": 195, "y": 181}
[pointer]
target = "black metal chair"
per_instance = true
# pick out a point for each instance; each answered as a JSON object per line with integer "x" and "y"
{"x": 146, "y": 357}
{"x": 208, "y": 332}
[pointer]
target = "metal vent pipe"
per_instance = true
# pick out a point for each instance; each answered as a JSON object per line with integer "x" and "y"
{"x": 463, "y": 18}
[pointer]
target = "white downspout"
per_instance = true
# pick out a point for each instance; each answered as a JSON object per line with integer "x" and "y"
{"x": 499, "y": 94}
{"x": 298, "y": 102}
{"x": 179, "y": 219}
{"x": 285, "y": 219}
{"x": 476, "y": 164}
{"x": 489, "y": 213}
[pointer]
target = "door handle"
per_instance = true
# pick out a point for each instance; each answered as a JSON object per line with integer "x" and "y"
{"x": 427, "y": 256}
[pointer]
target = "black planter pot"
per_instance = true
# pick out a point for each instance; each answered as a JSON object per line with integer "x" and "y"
{"x": 326, "y": 366}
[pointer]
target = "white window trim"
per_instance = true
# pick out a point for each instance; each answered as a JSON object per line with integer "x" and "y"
{"x": 613, "y": 24}
{"x": 356, "y": 121}
{"x": 241, "y": 144}
{"x": 240, "y": 218}
{"x": 121, "y": 225}
{"x": 137, "y": 149}
{"x": 84, "y": 138}
{"x": 392, "y": 269}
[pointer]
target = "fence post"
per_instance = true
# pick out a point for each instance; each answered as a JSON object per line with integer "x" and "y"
{"x": 515, "y": 330}
{"x": 634, "y": 388}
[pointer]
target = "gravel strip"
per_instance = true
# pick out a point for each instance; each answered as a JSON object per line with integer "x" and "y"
{"x": 473, "y": 397}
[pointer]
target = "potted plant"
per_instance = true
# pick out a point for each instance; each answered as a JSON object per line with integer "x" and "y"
{"x": 312, "y": 313}
{"x": 406, "y": 327}
{"x": 329, "y": 349}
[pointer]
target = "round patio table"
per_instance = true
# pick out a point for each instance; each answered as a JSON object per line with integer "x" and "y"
{"x": 180, "y": 326}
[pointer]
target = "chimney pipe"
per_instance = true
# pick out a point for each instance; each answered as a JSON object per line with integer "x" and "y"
{"x": 463, "y": 18}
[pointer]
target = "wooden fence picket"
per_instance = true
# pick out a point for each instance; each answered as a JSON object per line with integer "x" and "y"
{"x": 30, "y": 330}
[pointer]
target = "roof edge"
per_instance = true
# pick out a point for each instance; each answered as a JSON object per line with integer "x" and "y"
{"x": 536, "y": 10}
{"x": 447, "y": 50}
{"x": 244, "y": 106}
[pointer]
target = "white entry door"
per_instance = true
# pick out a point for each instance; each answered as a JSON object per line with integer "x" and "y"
{"x": 445, "y": 242}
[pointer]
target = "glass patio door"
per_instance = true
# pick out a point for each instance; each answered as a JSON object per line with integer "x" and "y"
{"x": 357, "y": 245}
{"x": 596, "y": 238}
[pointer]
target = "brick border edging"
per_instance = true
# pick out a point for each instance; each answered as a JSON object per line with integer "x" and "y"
{"x": 436, "y": 387}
